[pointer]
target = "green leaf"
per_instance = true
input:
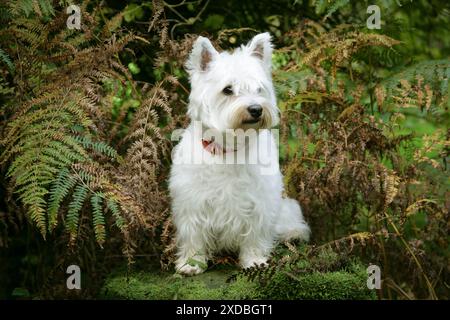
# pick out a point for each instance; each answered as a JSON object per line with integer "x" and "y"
{"x": 114, "y": 208}
{"x": 338, "y": 4}
{"x": 72, "y": 219}
{"x": 20, "y": 293}
{"x": 320, "y": 6}
{"x": 98, "y": 218}
{"x": 134, "y": 68}
{"x": 58, "y": 192}
{"x": 214, "y": 22}
{"x": 6, "y": 60}
{"x": 133, "y": 12}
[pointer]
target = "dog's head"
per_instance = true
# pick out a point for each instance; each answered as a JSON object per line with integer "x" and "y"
{"x": 232, "y": 90}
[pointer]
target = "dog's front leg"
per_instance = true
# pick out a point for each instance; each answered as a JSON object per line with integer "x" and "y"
{"x": 254, "y": 253}
{"x": 191, "y": 253}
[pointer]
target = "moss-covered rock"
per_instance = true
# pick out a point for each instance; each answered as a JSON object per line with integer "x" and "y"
{"x": 213, "y": 284}
{"x": 323, "y": 275}
{"x": 219, "y": 283}
{"x": 337, "y": 285}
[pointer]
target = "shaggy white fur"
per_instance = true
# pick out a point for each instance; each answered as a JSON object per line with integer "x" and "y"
{"x": 225, "y": 183}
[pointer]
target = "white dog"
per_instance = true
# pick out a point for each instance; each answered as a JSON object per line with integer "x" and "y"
{"x": 220, "y": 205}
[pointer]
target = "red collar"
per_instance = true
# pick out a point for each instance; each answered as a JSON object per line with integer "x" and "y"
{"x": 214, "y": 148}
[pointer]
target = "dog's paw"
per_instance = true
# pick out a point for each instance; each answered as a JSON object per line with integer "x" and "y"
{"x": 248, "y": 262}
{"x": 192, "y": 266}
{"x": 189, "y": 270}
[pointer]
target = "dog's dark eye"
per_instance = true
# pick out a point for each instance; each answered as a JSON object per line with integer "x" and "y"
{"x": 259, "y": 90}
{"x": 228, "y": 91}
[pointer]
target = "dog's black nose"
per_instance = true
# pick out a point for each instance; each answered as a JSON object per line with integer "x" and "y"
{"x": 255, "y": 110}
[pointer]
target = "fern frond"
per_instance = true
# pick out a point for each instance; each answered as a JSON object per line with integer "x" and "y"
{"x": 98, "y": 218}
{"x": 433, "y": 71}
{"x": 72, "y": 218}
{"x": 52, "y": 147}
{"x": 59, "y": 190}
{"x": 98, "y": 146}
{"x": 27, "y": 7}
{"x": 31, "y": 31}
{"x": 6, "y": 60}
{"x": 22, "y": 6}
{"x": 46, "y": 7}
{"x": 114, "y": 208}
{"x": 336, "y": 5}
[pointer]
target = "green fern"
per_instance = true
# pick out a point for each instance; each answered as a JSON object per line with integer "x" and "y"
{"x": 39, "y": 7}
{"x": 427, "y": 79}
{"x": 114, "y": 208}
{"x": 6, "y": 60}
{"x": 25, "y": 6}
{"x": 42, "y": 146}
{"x": 59, "y": 190}
{"x": 330, "y": 7}
{"x": 43, "y": 143}
{"x": 335, "y": 6}
{"x": 98, "y": 146}
{"x": 72, "y": 219}
{"x": 98, "y": 218}
{"x": 46, "y": 7}
{"x": 319, "y": 5}
{"x": 433, "y": 71}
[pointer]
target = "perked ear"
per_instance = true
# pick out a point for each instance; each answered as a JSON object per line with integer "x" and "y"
{"x": 261, "y": 47}
{"x": 202, "y": 54}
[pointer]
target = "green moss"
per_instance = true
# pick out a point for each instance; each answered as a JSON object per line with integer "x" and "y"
{"x": 212, "y": 284}
{"x": 347, "y": 283}
{"x": 336, "y": 285}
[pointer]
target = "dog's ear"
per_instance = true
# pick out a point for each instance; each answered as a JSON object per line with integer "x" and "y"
{"x": 261, "y": 47}
{"x": 202, "y": 54}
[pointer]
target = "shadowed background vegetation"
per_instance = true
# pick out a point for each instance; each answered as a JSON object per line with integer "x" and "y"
{"x": 86, "y": 119}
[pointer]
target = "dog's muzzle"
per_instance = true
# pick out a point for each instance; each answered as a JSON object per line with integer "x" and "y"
{"x": 255, "y": 112}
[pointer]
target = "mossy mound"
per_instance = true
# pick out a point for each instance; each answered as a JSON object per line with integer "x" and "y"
{"x": 222, "y": 284}
{"x": 322, "y": 275}
{"x": 213, "y": 284}
{"x": 347, "y": 284}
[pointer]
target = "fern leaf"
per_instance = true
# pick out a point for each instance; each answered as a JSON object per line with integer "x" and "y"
{"x": 114, "y": 208}
{"x": 335, "y": 6}
{"x": 58, "y": 192}
{"x": 98, "y": 218}
{"x": 98, "y": 146}
{"x": 25, "y": 6}
{"x": 46, "y": 7}
{"x": 72, "y": 218}
{"x": 431, "y": 70}
{"x": 6, "y": 60}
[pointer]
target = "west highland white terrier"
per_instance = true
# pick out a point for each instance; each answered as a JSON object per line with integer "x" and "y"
{"x": 227, "y": 190}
